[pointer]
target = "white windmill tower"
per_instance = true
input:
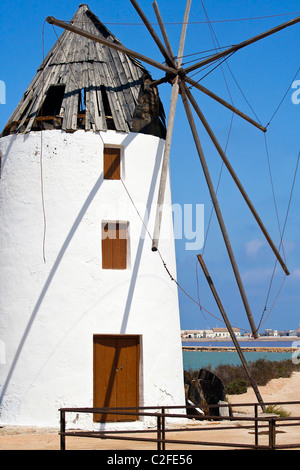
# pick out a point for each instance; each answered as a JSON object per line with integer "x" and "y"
{"x": 96, "y": 322}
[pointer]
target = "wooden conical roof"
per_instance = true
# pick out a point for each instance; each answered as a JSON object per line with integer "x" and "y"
{"x": 82, "y": 84}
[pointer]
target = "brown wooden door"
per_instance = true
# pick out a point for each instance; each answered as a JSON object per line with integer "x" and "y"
{"x": 116, "y": 374}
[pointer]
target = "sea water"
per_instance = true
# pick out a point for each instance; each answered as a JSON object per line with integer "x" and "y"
{"x": 195, "y": 360}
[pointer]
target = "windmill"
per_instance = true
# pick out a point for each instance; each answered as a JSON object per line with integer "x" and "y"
{"x": 92, "y": 296}
{"x": 179, "y": 79}
{"x": 95, "y": 320}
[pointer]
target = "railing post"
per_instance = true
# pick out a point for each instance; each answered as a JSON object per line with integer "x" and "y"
{"x": 163, "y": 429}
{"x": 256, "y": 425}
{"x": 272, "y": 433}
{"x": 62, "y": 430}
{"x": 159, "y": 432}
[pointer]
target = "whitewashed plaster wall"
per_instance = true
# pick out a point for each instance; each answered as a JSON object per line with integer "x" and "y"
{"x": 50, "y": 310}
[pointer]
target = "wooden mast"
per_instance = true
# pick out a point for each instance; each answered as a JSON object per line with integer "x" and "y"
{"x": 171, "y": 118}
{"x": 231, "y": 332}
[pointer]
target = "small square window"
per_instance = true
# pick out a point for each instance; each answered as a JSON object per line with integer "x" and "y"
{"x": 112, "y": 163}
{"x": 114, "y": 245}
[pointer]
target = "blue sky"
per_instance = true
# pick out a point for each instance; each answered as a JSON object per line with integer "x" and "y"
{"x": 259, "y": 75}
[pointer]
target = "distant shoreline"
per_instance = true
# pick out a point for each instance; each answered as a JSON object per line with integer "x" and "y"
{"x": 243, "y": 348}
{"x": 251, "y": 348}
{"x": 242, "y": 338}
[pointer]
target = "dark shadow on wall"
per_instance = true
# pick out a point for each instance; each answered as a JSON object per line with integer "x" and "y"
{"x": 57, "y": 262}
{"x": 143, "y": 234}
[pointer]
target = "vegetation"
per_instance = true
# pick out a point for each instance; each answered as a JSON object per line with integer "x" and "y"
{"x": 236, "y": 381}
{"x": 278, "y": 411}
{"x": 236, "y": 387}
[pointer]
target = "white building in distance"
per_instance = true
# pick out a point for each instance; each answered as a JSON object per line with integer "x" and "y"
{"x": 213, "y": 333}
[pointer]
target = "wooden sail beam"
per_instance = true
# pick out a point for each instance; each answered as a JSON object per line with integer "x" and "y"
{"x": 217, "y": 209}
{"x": 163, "y": 29}
{"x": 112, "y": 45}
{"x": 231, "y": 332}
{"x": 224, "y": 103}
{"x": 235, "y": 178}
{"x": 167, "y": 149}
{"x": 212, "y": 95}
{"x": 241, "y": 45}
{"x": 169, "y": 59}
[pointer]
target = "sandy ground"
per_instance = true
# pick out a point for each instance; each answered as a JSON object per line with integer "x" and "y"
{"x": 278, "y": 390}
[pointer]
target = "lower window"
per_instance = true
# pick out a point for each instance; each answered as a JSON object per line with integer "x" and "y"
{"x": 114, "y": 245}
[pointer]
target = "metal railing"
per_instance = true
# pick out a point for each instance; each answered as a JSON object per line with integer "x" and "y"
{"x": 270, "y": 424}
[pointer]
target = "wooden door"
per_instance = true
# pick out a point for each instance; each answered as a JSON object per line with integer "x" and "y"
{"x": 116, "y": 374}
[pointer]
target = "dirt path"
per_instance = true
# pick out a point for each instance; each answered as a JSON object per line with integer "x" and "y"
{"x": 278, "y": 390}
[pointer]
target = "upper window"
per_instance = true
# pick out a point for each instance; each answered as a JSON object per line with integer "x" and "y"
{"x": 112, "y": 163}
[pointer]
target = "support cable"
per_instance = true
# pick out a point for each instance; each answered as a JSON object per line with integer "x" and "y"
{"x": 282, "y": 99}
{"x": 180, "y": 23}
{"x": 41, "y": 156}
{"x": 281, "y": 240}
{"x": 278, "y": 222}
